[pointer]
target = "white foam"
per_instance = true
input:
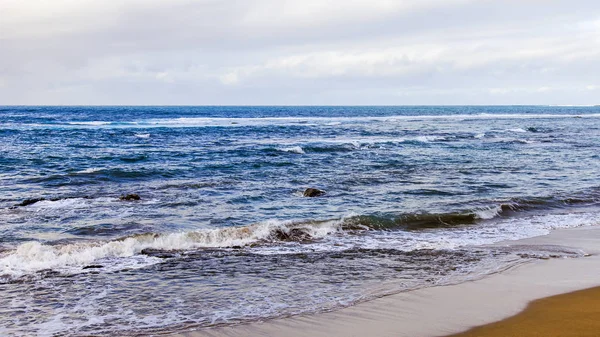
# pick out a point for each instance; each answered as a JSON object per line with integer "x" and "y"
{"x": 294, "y": 149}
{"x": 90, "y": 312}
{"x": 309, "y": 121}
{"x": 90, "y": 170}
{"x": 428, "y": 139}
{"x": 485, "y": 233}
{"x": 517, "y": 130}
{"x": 34, "y": 256}
{"x": 503, "y": 230}
{"x": 357, "y": 143}
{"x": 92, "y": 123}
{"x": 68, "y": 203}
{"x": 488, "y": 213}
{"x": 142, "y": 135}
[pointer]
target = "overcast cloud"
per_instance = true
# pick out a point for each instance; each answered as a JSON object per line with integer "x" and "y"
{"x": 299, "y": 52}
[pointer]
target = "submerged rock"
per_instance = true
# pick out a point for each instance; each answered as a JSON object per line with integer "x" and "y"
{"x": 313, "y": 192}
{"x": 158, "y": 253}
{"x": 129, "y": 197}
{"x": 93, "y": 266}
{"x": 28, "y": 202}
{"x": 294, "y": 234}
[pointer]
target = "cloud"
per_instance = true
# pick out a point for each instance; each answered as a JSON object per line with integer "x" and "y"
{"x": 298, "y": 52}
{"x": 495, "y": 55}
{"x": 544, "y": 89}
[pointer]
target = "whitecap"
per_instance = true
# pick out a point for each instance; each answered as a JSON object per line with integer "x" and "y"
{"x": 294, "y": 149}
{"x": 90, "y": 170}
{"x": 428, "y": 139}
{"x": 488, "y": 213}
{"x": 517, "y": 130}
{"x": 68, "y": 203}
{"x": 309, "y": 121}
{"x": 92, "y": 123}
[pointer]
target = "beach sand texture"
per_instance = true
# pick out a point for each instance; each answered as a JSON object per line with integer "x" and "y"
{"x": 568, "y": 315}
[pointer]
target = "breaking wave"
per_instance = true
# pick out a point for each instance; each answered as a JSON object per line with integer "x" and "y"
{"x": 137, "y": 250}
{"x": 35, "y": 256}
{"x": 294, "y": 149}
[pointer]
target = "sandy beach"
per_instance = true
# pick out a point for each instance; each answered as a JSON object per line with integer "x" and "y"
{"x": 574, "y": 314}
{"x": 446, "y": 310}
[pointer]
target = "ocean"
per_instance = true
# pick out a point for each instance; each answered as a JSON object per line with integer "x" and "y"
{"x": 222, "y": 233}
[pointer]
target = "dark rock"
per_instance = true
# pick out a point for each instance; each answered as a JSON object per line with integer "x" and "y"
{"x": 161, "y": 254}
{"x": 313, "y": 192}
{"x": 93, "y": 266}
{"x": 129, "y": 197}
{"x": 28, "y": 202}
{"x": 294, "y": 234}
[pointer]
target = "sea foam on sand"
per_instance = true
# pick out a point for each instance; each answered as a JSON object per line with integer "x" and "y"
{"x": 439, "y": 311}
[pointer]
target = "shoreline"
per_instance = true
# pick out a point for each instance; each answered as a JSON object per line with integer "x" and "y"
{"x": 451, "y": 309}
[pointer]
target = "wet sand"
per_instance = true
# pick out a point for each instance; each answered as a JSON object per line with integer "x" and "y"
{"x": 447, "y": 310}
{"x": 568, "y": 315}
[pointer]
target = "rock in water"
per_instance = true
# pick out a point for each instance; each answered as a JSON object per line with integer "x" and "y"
{"x": 28, "y": 202}
{"x": 93, "y": 266}
{"x": 158, "y": 253}
{"x": 129, "y": 197}
{"x": 313, "y": 192}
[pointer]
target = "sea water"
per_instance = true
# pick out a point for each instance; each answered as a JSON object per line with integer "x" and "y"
{"x": 222, "y": 233}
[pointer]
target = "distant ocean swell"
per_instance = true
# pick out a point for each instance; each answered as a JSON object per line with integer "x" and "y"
{"x": 195, "y": 122}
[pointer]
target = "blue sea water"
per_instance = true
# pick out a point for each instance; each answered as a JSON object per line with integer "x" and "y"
{"x": 222, "y": 233}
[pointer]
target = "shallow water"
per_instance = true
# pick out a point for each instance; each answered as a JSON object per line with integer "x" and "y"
{"x": 222, "y": 233}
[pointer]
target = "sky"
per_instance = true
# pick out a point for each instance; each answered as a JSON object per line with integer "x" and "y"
{"x": 299, "y": 52}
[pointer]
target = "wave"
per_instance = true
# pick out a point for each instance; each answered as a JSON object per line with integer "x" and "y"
{"x": 68, "y": 203}
{"x": 518, "y": 130}
{"x": 92, "y": 174}
{"x": 299, "y": 121}
{"x": 430, "y": 138}
{"x": 106, "y": 229}
{"x": 34, "y": 256}
{"x": 422, "y": 221}
{"x": 539, "y": 129}
{"x": 294, "y": 149}
{"x": 52, "y": 203}
{"x": 90, "y": 170}
{"x": 320, "y": 145}
{"x": 90, "y": 123}
{"x": 365, "y": 232}
{"x": 515, "y": 141}
{"x": 506, "y": 220}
